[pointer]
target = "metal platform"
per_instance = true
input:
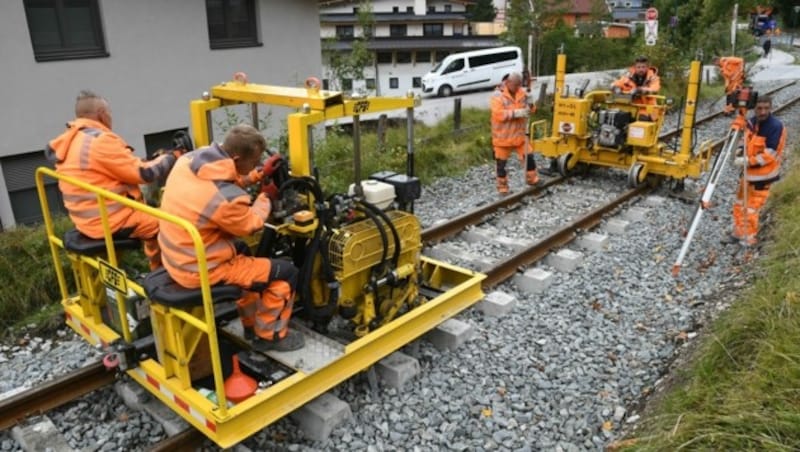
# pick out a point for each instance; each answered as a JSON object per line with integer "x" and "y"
{"x": 318, "y": 352}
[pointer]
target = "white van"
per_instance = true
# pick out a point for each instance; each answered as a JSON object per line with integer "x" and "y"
{"x": 472, "y": 70}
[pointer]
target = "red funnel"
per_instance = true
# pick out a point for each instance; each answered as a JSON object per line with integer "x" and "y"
{"x": 239, "y": 386}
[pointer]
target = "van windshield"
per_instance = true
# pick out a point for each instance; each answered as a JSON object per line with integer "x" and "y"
{"x": 437, "y": 67}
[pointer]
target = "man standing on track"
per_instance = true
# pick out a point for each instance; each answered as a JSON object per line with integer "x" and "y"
{"x": 510, "y": 111}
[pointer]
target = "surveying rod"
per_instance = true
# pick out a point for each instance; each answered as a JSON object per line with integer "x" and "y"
{"x": 734, "y": 135}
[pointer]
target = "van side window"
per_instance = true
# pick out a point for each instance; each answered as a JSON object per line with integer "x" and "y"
{"x": 483, "y": 60}
{"x": 456, "y": 65}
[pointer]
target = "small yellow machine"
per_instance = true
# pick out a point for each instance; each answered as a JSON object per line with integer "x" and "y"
{"x": 360, "y": 260}
{"x": 604, "y": 128}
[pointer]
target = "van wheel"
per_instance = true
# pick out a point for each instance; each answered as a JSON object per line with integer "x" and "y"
{"x": 445, "y": 91}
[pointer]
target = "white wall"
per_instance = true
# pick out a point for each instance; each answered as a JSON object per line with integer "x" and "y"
{"x": 160, "y": 60}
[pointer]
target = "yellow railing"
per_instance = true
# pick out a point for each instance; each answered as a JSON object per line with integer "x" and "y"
{"x": 206, "y": 325}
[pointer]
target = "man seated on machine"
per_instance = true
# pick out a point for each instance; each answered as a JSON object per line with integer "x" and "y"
{"x": 640, "y": 80}
{"x": 206, "y": 188}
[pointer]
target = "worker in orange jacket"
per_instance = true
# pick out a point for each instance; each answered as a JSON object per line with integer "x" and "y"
{"x": 732, "y": 71}
{"x": 206, "y": 188}
{"x": 88, "y": 150}
{"x": 511, "y": 108}
{"x": 640, "y": 80}
{"x": 765, "y": 138}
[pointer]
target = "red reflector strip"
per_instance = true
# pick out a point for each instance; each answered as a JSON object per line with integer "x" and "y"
{"x": 181, "y": 403}
{"x": 211, "y": 426}
{"x": 153, "y": 382}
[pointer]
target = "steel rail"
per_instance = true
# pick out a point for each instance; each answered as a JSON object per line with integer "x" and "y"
{"x": 54, "y": 393}
{"x": 452, "y": 227}
{"x": 508, "y": 267}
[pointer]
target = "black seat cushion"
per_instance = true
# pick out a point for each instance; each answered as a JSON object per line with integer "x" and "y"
{"x": 78, "y": 243}
{"x": 162, "y": 289}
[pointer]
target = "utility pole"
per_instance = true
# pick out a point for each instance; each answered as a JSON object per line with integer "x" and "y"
{"x": 733, "y": 28}
{"x": 530, "y": 41}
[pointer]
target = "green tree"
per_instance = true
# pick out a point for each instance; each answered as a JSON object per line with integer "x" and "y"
{"x": 350, "y": 65}
{"x": 482, "y": 11}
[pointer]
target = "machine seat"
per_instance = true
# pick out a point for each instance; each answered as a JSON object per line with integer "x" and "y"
{"x": 76, "y": 242}
{"x": 162, "y": 289}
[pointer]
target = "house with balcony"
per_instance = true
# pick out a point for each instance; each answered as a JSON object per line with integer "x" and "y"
{"x": 149, "y": 58}
{"x": 407, "y": 38}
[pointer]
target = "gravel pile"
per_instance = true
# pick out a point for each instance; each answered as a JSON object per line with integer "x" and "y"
{"x": 562, "y": 371}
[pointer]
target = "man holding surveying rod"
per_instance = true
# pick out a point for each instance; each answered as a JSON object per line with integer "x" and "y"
{"x": 764, "y": 138}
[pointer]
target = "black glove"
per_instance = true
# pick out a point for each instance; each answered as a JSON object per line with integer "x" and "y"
{"x": 181, "y": 141}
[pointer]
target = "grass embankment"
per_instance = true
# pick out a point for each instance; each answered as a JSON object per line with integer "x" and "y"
{"x": 742, "y": 389}
{"x": 27, "y": 276}
{"x": 439, "y": 151}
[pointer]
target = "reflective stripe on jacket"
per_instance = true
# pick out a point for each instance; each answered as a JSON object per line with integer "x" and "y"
{"x": 202, "y": 189}
{"x": 91, "y": 152}
{"x": 765, "y": 142}
{"x": 507, "y": 130}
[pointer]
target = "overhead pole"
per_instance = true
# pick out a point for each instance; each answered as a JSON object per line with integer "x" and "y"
{"x": 733, "y": 28}
{"x": 530, "y": 40}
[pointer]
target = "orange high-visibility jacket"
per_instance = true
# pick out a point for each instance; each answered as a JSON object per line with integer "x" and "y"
{"x": 765, "y": 142}
{"x": 508, "y": 131}
{"x": 651, "y": 81}
{"x": 91, "y": 152}
{"x": 202, "y": 189}
{"x": 732, "y": 70}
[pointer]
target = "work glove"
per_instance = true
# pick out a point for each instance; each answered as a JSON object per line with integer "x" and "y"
{"x": 616, "y": 90}
{"x": 520, "y": 113}
{"x": 739, "y": 151}
{"x": 738, "y": 161}
{"x": 262, "y": 206}
{"x": 531, "y": 99}
{"x": 636, "y": 92}
{"x": 182, "y": 142}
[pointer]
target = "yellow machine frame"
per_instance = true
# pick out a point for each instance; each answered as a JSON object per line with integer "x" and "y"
{"x": 647, "y": 156}
{"x": 179, "y": 333}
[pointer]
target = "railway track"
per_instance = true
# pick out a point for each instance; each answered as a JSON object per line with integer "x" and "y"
{"x": 71, "y": 386}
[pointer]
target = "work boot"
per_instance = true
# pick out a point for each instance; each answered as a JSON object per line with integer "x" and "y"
{"x": 249, "y": 333}
{"x": 293, "y": 341}
{"x": 532, "y": 177}
{"x": 502, "y": 185}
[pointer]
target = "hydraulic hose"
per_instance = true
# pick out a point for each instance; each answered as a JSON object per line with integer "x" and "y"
{"x": 374, "y": 218}
{"x": 392, "y": 228}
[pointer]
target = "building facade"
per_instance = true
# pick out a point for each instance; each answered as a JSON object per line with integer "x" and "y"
{"x": 407, "y": 38}
{"x": 149, "y": 58}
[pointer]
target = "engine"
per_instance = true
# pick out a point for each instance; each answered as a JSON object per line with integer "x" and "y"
{"x": 358, "y": 256}
{"x": 612, "y": 128}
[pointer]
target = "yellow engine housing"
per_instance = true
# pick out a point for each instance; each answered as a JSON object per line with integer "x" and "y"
{"x": 570, "y": 116}
{"x": 642, "y": 133}
{"x": 356, "y": 248}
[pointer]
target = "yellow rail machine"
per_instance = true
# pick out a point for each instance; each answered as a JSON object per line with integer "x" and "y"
{"x": 604, "y": 128}
{"x": 365, "y": 289}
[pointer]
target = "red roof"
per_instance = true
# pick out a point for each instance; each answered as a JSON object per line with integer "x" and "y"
{"x": 572, "y": 6}
{"x": 582, "y": 6}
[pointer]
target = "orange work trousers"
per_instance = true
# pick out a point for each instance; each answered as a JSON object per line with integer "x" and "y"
{"x": 745, "y": 217}
{"x": 268, "y": 312}
{"x": 144, "y": 227}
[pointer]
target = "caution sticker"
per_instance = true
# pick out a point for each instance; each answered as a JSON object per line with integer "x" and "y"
{"x": 113, "y": 277}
